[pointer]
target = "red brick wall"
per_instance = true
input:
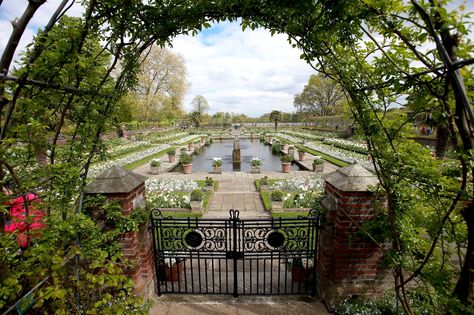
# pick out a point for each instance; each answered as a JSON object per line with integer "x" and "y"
{"x": 349, "y": 262}
{"x": 137, "y": 247}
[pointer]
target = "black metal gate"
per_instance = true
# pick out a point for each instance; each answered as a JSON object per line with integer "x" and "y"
{"x": 235, "y": 256}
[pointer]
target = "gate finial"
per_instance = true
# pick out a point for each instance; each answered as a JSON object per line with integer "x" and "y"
{"x": 234, "y": 214}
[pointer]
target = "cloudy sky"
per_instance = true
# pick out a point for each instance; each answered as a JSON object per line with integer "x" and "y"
{"x": 247, "y": 72}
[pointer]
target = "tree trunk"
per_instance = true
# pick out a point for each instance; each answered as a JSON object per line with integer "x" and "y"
{"x": 442, "y": 134}
{"x": 464, "y": 285}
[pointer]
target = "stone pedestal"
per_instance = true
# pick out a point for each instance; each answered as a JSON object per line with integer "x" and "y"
{"x": 118, "y": 184}
{"x": 349, "y": 262}
{"x": 236, "y": 151}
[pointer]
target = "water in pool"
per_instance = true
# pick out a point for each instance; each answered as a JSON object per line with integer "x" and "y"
{"x": 248, "y": 149}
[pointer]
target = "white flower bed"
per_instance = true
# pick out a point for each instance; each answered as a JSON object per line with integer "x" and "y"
{"x": 340, "y": 154}
{"x": 299, "y": 184}
{"x": 100, "y": 167}
{"x": 126, "y": 147}
{"x": 346, "y": 144}
{"x": 169, "y": 185}
{"x": 168, "y": 200}
{"x": 156, "y": 137}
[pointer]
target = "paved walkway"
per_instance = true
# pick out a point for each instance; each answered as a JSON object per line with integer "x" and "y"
{"x": 243, "y": 305}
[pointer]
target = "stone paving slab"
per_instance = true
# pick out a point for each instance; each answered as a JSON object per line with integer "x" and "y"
{"x": 243, "y": 305}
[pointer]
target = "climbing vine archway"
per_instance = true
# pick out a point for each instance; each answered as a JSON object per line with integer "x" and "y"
{"x": 381, "y": 52}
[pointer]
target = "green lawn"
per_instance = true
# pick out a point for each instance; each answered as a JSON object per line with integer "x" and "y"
{"x": 147, "y": 159}
{"x": 325, "y": 156}
{"x": 182, "y": 215}
{"x": 271, "y": 181}
{"x": 207, "y": 198}
{"x": 266, "y": 200}
{"x": 202, "y": 183}
{"x": 288, "y": 214}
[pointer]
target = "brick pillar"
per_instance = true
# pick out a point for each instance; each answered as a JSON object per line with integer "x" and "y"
{"x": 118, "y": 184}
{"x": 349, "y": 263}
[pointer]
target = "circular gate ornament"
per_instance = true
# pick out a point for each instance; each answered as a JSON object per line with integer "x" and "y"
{"x": 276, "y": 239}
{"x": 193, "y": 239}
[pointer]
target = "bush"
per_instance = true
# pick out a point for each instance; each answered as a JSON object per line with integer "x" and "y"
{"x": 318, "y": 161}
{"x": 255, "y": 161}
{"x": 155, "y": 163}
{"x": 209, "y": 181}
{"x": 185, "y": 158}
{"x": 276, "y": 147}
{"x": 286, "y": 158}
{"x": 217, "y": 162}
{"x": 277, "y": 195}
{"x": 197, "y": 195}
{"x": 172, "y": 151}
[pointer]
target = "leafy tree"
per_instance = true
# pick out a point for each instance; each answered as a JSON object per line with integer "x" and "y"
{"x": 321, "y": 96}
{"x": 275, "y": 116}
{"x": 161, "y": 85}
{"x": 200, "y": 104}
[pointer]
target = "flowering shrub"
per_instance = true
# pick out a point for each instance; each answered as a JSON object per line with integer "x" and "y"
{"x": 277, "y": 195}
{"x": 256, "y": 162}
{"x": 197, "y": 195}
{"x": 155, "y": 163}
{"x": 299, "y": 184}
{"x": 217, "y": 162}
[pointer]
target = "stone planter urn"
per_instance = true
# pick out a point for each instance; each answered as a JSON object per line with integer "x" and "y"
{"x": 255, "y": 169}
{"x": 291, "y": 151}
{"x": 301, "y": 155}
{"x": 154, "y": 170}
{"x": 208, "y": 188}
{"x": 187, "y": 168}
{"x": 300, "y": 274}
{"x": 173, "y": 273}
{"x": 318, "y": 167}
{"x": 171, "y": 158}
{"x": 285, "y": 167}
{"x": 277, "y": 206}
{"x": 196, "y": 206}
{"x": 264, "y": 187}
{"x": 284, "y": 146}
{"x": 217, "y": 169}
{"x": 190, "y": 146}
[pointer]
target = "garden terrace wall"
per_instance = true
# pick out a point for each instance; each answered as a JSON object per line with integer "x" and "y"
{"x": 349, "y": 262}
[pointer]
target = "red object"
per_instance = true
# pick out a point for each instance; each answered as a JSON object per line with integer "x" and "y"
{"x": 25, "y": 218}
{"x": 300, "y": 274}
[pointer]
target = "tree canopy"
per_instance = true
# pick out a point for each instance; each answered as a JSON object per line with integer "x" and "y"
{"x": 322, "y": 96}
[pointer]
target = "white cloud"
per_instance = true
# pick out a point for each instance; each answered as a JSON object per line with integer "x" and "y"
{"x": 12, "y": 9}
{"x": 247, "y": 72}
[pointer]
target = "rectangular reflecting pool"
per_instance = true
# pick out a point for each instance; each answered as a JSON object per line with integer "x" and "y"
{"x": 248, "y": 149}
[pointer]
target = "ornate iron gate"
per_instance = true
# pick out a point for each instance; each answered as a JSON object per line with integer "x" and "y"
{"x": 235, "y": 256}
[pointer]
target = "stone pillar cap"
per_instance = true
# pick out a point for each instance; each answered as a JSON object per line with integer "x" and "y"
{"x": 115, "y": 180}
{"x": 352, "y": 178}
